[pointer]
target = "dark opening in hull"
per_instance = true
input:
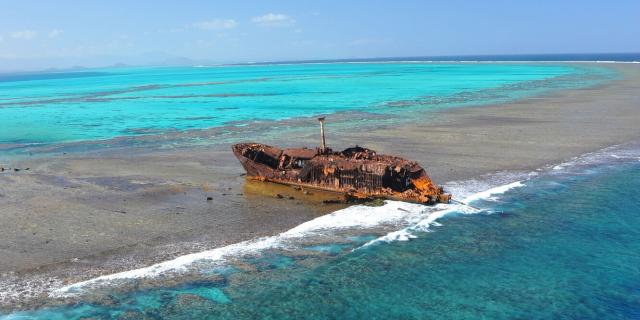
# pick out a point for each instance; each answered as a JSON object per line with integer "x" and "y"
{"x": 358, "y": 173}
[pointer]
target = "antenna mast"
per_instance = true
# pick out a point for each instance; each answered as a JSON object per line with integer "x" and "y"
{"x": 323, "y": 145}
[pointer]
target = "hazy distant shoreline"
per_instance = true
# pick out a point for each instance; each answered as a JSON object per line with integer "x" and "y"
{"x": 629, "y": 57}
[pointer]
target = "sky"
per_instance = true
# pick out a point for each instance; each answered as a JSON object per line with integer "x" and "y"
{"x": 61, "y": 34}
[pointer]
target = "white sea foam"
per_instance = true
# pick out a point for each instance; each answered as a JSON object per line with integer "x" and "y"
{"x": 418, "y": 217}
{"x": 353, "y": 217}
{"x": 442, "y": 210}
{"x": 469, "y": 189}
{"x": 488, "y": 194}
{"x": 610, "y": 155}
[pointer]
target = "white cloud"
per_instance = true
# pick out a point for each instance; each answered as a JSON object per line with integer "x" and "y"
{"x": 23, "y": 34}
{"x": 216, "y": 24}
{"x": 55, "y": 33}
{"x": 274, "y": 20}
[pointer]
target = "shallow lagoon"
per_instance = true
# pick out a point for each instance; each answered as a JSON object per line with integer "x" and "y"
{"x": 108, "y": 103}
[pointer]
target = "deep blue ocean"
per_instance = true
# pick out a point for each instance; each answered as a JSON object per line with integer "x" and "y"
{"x": 563, "y": 243}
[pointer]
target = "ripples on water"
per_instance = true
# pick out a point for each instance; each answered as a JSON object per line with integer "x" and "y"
{"x": 563, "y": 245}
{"x": 109, "y": 103}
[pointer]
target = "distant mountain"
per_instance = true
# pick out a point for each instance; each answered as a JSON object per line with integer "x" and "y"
{"x": 8, "y": 65}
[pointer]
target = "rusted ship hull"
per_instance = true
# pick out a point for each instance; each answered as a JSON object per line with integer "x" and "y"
{"x": 358, "y": 173}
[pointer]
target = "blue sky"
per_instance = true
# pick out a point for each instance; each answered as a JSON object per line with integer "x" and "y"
{"x": 39, "y": 34}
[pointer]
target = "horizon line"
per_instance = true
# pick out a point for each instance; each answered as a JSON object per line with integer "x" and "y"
{"x": 389, "y": 59}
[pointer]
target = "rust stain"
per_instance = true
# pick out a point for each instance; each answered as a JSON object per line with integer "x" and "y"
{"x": 356, "y": 172}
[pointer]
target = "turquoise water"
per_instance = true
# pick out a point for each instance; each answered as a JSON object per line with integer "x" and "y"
{"x": 108, "y": 103}
{"x": 564, "y": 246}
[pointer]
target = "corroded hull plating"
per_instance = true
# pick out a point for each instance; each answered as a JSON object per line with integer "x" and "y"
{"x": 357, "y": 172}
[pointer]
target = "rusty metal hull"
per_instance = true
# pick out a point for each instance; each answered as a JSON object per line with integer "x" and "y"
{"x": 357, "y": 172}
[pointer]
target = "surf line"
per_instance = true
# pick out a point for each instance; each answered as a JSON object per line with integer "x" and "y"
{"x": 355, "y": 216}
{"x": 358, "y": 216}
{"x": 464, "y": 204}
{"x": 423, "y": 225}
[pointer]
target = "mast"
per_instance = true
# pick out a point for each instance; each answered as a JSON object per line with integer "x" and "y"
{"x": 323, "y": 145}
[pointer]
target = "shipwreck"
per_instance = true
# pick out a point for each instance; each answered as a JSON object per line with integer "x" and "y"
{"x": 357, "y": 173}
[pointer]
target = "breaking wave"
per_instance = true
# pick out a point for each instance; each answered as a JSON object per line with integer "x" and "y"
{"x": 465, "y": 207}
{"x": 392, "y": 213}
{"x": 406, "y": 219}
